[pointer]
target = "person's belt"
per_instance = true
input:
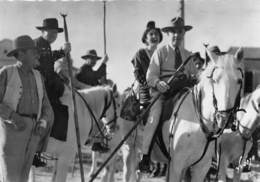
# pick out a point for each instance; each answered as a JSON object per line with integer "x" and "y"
{"x": 32, "y": 116}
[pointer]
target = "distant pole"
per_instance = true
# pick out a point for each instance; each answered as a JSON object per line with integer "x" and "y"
{"x": 181, "y": 13}
{"x": 104, "y": 28}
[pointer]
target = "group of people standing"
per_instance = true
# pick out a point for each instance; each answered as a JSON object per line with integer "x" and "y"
{"x": 29, "y": 99}
{"x": 30, "y": 90}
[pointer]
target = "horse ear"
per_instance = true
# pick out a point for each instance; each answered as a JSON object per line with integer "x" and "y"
{"x": 213, "y": 57}
{"x": 114, "y": 88}
{"x": 239, "y": 54}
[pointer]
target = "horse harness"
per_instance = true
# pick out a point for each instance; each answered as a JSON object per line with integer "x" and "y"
{"x": 107, "y": 104}
{"x": 210, "y": 135}
{"x": 197, "y": 98}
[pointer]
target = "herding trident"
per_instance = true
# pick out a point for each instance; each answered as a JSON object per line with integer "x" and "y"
{"x": 67, "y": 56}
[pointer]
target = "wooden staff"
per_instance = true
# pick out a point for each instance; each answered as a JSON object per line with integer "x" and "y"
{"x": 73, "y": 99}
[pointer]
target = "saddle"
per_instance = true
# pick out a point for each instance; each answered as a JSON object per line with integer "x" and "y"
{"x": 172, "y": 97}
{"x": 167, "y": 111}
{"x": 130, "y": 106}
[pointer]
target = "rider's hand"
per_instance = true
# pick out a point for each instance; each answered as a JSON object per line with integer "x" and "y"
{"x": 105, "y": 59}
{"x": 162, "y": 86}
{"x": 41, "y": 127}
{"x": 67, "y": 47}
{"x": 5, "y": 111}
{"x": 17, "y": 122}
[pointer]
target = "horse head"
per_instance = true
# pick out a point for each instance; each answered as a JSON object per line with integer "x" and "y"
{"x": 220, "y": 87}
{"x": 109, "y": 113}
{"x": 249, "y": 120}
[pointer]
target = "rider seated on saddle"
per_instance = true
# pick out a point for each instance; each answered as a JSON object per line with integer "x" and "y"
{"x": 164, "y": 64}
{"x": 54, "y": 84}
{"x": 90, "y": 77}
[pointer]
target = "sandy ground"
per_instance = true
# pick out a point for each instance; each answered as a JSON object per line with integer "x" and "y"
{"x": 44, "y": 175}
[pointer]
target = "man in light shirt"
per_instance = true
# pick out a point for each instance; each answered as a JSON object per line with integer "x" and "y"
{"x": 26, "y": 115}
{"x": 163, "y": 65}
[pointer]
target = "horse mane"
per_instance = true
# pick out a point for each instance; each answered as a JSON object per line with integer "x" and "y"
{"x": 226, "y": 61}
{"x": 94, "y": 95}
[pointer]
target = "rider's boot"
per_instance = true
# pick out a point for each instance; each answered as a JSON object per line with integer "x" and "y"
{"x": 38, "y": 160}
{"x": 144, "y": 164}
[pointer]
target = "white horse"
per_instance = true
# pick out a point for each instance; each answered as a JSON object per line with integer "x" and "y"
{"x": 202, "y": 113}
{"x": 237, "y": 144}
{"x": 102, "y": 103}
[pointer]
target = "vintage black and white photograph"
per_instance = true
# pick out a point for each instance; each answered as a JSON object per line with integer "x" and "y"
{"x": 129, "y": 90}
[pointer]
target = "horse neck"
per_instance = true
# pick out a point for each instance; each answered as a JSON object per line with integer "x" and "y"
{"x": 95, "y": 100}
{"x": 206, "y": 101}
{"x": 251, "y": 115}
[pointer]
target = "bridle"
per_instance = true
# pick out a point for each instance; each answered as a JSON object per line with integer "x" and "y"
{"x": 103, "y": 113}
{"x": 107, "y": 105}
{"x": 231, "y": 112}
{"x": 211, "y": 135}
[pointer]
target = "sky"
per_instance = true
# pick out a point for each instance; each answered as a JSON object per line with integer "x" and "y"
{"x": 218, "y": 22}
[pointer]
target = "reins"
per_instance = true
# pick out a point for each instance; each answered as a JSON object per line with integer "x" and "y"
{"x": 93, "y": 115}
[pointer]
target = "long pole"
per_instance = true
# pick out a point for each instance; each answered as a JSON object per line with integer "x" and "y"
{"x": 138, "y": 121}
{"x": 181, "y": 12}
{"x": 104, "y": 28}
{"x": 73, "y": 99}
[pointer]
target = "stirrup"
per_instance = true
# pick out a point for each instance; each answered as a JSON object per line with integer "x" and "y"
{"x": 39, "y": 161}
{"x": 144, "y": 165}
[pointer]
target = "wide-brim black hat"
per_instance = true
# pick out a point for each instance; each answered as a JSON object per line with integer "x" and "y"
{"x": 22, "y": 42}
{"x": 50, "y": 24}
{"x": 176, "y": 23}
{"x": 151, "y": 26}
{"x": 91, "y": 54}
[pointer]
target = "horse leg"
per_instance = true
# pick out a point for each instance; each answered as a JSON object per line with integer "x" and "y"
{"x": 199, "y": 171}
{"x": 32, "y": 175}
{"x": 175, "y": 172}
{"x": 54, "y": 172}
{"x": 108, "y": 175}
{"x": 93, "y": 164}
{"x": 63, "y": 164}
{"x": 130, "y": 162}
{"x": 237, "y": 175}
{"x": 223, "y": 164}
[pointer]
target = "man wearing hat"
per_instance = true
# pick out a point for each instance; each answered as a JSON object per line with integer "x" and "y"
{"x": 54, "y": 84}
{"x": 25, "y": 112}
{"x": 86, "y": 73}
{"x": 91, "y": 77}
{"x": 164, "y": 63}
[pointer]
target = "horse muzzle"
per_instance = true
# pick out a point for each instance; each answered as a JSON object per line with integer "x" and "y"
{"x": 221, "y": 118}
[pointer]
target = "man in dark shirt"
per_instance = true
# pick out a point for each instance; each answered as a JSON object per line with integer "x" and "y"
{"x": 86, "y": 73}
{"x": 54, "y": 84}
{"x": 91, "y": 77}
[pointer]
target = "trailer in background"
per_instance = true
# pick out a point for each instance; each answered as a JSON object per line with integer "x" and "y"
{"x": 5, "y": 46}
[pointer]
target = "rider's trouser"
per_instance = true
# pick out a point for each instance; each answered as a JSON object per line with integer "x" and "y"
{"x": 152, "y": 123}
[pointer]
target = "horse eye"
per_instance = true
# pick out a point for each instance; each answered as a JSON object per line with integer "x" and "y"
{"x": 239, "y": 81}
